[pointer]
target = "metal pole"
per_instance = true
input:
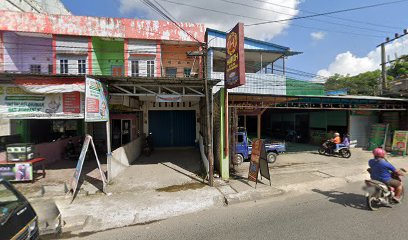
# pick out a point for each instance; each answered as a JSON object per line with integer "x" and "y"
{"x": 209, "y": 135}
{"x": 109, "y": 150}
{"x": 383, "y": 83}
{"x": 226, "y": 123}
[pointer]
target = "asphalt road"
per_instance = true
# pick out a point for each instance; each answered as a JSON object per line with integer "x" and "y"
{"x": 339, "y": 214}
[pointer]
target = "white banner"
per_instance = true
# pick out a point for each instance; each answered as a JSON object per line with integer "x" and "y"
{"x": 168, "y": 98}
{"x": 15, "y": 103}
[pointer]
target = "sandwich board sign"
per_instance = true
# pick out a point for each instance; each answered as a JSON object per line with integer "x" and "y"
{"x": 258, "y": 163}
{"x": 77, "y": 174}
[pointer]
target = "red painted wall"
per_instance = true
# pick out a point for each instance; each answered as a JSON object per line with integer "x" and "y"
{"x": 99, "y": 26}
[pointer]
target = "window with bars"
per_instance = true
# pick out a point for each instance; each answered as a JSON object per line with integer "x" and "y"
{"x": 81, "y": 66}
{"x": 35, "y": 69}
{"x": 150, "y": 68}
{"x": 135, "y": 68}
{"x": 64, "y": 66}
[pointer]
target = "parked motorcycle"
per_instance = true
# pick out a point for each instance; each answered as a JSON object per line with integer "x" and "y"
{"x": 326, "y": 149}
{"x": 148, "y": 145}
{"x": 378, "y": 194}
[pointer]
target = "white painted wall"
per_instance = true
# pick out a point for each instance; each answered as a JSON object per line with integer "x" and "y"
{"x": 70, "y": 44}
{"x": 141, "y": 47}
{"x": 122, "y": 157}
{"x": 72, "y": 62}
{"x": 35, "y": 6}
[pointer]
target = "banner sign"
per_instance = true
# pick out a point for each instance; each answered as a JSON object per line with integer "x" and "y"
{"x": 168, "y": 98}
{"x": 15, "y": 103}
{"x": 96, "y": 102}
{"x": 235, "y": 57}
{"x": 399, "y": 143}
{"x": 16, "y": 171}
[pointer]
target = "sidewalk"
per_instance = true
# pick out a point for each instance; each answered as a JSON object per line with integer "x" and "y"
{"x": 126, "y": 206}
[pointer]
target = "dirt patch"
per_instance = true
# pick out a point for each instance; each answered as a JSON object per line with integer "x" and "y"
{"x": 182, "y": 187}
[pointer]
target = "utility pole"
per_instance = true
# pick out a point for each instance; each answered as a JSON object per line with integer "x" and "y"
{"x": 383, "y": 82}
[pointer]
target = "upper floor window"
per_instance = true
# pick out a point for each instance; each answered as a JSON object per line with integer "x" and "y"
{"x": 50, "y": 69}
{"x": 150, "y": 68}
{"x": 35, "y": 69}
{"x": 187, "y": 72}
{"x": 135, "y": 68}
{"x": 171, "y": 72}
{"x": 81, "y": 66}
{"x": 64, "y": 66}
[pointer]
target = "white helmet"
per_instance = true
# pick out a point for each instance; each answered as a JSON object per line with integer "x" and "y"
{"x": 336, "y": 134}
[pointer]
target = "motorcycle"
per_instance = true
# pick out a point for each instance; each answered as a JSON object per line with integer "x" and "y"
{"x": 326, "y": 149}
{"x": 377, "y": 193}
{"x": 148, "y": 145}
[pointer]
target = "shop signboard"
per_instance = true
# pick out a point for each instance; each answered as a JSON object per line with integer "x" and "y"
{"x": 96, "y": 102}
{"x": 16, "y": 103}
{"x": 399, "y": 143}
{"x": 235, "y": 57}
{"x": 16, "y": 171}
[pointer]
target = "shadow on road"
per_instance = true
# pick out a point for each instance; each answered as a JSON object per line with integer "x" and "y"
{"x": 346, "y": 199}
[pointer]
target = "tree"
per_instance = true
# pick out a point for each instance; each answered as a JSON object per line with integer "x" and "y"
{"x": 361, "y": 84}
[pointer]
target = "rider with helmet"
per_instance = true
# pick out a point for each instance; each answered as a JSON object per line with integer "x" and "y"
{"x": 335, "y": 141}
{"x": 382, "y": 170}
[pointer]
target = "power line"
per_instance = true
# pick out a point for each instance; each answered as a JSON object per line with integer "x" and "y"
{"x": 333, "y": 17}
{"x": 260, "y": 19}
{"x": 287, "y": 14}
{"x": 326, "y": 13}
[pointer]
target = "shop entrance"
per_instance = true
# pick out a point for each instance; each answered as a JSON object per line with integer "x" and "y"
{"x": 172, "y": 128}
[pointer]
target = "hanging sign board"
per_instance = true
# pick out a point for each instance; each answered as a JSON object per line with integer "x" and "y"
{"x": 399, "y": 143}
{"x": 235, "y": 58}
{"x": 96, "y": 102}
{"x": 75, "y": 179}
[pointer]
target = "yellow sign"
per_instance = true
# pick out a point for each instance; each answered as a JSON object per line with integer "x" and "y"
{"x": 399, "y": 143}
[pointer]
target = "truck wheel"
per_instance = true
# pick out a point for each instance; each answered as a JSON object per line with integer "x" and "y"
{"x": 271, "y": 157}
{"x": 238, "y": 159}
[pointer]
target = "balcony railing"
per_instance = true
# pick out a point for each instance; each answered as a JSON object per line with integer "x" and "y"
{"x": 257, "y": 83}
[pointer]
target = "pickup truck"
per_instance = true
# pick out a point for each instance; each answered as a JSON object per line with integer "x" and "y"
{"x": 243, "y": 149}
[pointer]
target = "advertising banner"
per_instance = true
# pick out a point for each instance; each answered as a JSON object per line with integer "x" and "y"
{"x": 235, "y": 57}
{"x": 399, "y": 143}
{"x": 96, "y": 102}
{"x": 168, "y": 98}
{"x": 16, "y": 103}
{"x": 254, "y": 163}
{"x": 16, "y": 171}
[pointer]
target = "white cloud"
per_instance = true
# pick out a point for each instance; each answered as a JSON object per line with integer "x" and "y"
{"x": 348, "y": 63}
{"x": 318, "y": 35}
{"x": 221, "y": 21}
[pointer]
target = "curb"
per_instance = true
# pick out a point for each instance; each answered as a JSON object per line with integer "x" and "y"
{"x": 324, "y": 184}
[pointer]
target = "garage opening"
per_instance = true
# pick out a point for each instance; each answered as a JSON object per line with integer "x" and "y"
{"x": 172, "y": 128}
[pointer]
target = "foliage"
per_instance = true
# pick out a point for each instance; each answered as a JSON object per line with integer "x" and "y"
{"x": 399, "y": 68}
{"x": 361, "y": 84}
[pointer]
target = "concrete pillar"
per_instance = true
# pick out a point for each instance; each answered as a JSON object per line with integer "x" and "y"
{"x": 90, "y": 62}
{"x": 126, "y": 57}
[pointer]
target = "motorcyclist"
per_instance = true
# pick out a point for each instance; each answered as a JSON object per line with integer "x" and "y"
{"x": 381, "y": 170}
{"x": 335, "y": 141}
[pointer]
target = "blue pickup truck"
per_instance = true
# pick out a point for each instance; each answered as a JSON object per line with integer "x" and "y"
{"x": 243, "y": 148}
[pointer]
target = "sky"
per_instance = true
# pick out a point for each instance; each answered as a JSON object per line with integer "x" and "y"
{"x": 343, "y": 43}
